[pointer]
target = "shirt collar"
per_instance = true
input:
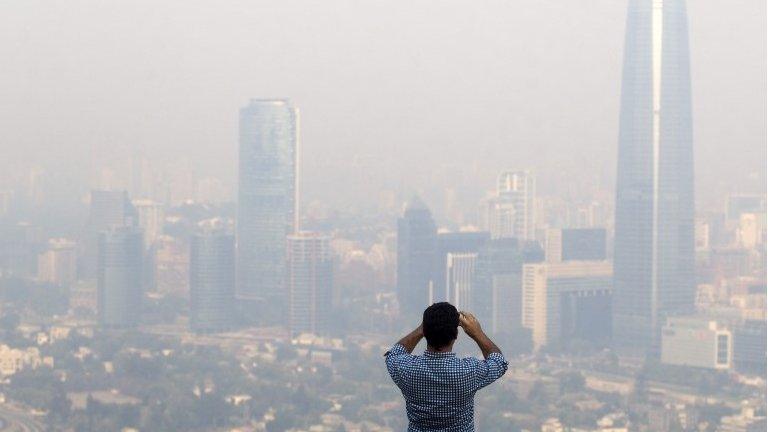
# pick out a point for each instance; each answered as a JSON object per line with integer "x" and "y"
{"x": 439, "y": 354}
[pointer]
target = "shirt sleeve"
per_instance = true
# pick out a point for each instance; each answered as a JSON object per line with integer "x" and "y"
{"x": 488, "y": 370}
{"x": 395, "y": 359}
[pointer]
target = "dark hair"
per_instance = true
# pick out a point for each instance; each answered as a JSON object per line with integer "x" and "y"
{"x": 440, "y": 324}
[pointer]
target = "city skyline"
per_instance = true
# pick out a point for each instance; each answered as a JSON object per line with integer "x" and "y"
{"x": 181, "y": 250}
{"x": 536, "y": 123}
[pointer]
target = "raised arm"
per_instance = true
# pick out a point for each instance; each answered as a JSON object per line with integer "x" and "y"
{"x": 472, "y": 328}
{"x": 412, "y": 339}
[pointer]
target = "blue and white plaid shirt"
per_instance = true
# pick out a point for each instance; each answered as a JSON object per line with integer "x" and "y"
{"x": 439, "y": 388}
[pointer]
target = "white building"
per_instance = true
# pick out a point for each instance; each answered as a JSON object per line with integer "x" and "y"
{"x": 13, "y": 360}
{"x": 151, "y": 217}
{"x": 696, "y": 341}
{"x": 566, "y": 299}
{"x": 458, "y": 285}
{"x": 58, "y": 264}
{"x": 511, "y": 213}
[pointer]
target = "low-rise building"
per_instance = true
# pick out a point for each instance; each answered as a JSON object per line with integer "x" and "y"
{"x": 13, "y": 360}
{"x": 696, "y": 341}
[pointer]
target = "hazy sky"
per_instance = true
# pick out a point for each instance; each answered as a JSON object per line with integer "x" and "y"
{"x": 492, "y": 84}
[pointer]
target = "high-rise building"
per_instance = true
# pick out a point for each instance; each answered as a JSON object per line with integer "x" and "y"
{"x": 567, "y": 300}
{"x": 119, "y": 286}
{"x": 496, "y": 296}
{"x": 267, "y": 200}
{"x": 416, "y": 246}
{"x": 212, "y": 281}
{"x": 453, "y": 243}
{"x": 749, "y": 347}
{"x": 20, "y": 244}
{"x": 150, "y": 217}
{"x": 738, "y": 204}
{"x": 310, "y": 282}
{"x": 654, "y": 242}
{"x": 58, "y": 264}
{"x": 108, "y": 209}
{"x": 575, "y": 244}
{"x": 511, "y": 213}
{"x": 696, "y": 341}
{"x": 459, "y": 274}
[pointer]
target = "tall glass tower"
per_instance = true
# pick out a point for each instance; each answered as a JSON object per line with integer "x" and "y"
{"x": 416, "y": 247}
{"x": 266, "y": 211}
{"x": 119, "y": 288}
{"x": 212, "y": 281}
{"x": 654, "y": 249}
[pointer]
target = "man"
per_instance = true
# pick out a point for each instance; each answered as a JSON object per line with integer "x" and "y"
{"x": 438, "y": 387}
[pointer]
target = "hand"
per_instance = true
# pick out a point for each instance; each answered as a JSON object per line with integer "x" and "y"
{"x": 470, "y": 324}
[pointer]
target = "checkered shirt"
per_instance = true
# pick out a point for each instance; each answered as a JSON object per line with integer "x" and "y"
{"x": 439, "y": 388}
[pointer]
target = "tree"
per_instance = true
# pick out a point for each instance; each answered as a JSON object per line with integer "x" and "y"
{"x": 572, "y": 382}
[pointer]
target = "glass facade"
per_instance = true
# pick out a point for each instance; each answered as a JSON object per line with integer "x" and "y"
{"x": 654, "y": 242}
{"x": 416, "y": 249}
{"x": 212, "y": 281}
{"x": 119, "y": 285}
{"x": 583, "y": 244}
{"x": 266, "y": 211}
{"x": 310, "y": 283}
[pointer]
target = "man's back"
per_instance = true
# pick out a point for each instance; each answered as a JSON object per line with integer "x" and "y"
{"x": 439, "y": 388}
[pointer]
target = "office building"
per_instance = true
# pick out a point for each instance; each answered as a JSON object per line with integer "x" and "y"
{"x": 267, "y": 201}
{"x": 108, "y": 209}
{"x": 696, "y": 341}
{"x": 119, "y": 285}
{"x": 575, "y": 244}
{"x": 654, "y": 242}
{"x": 459, "y": 274}
{"x": 567, "y": 301}
{"x": 20, "y": 245}
{"x": 416, "y": 248}
{"x": 741, "y": 203}
{"x": 212, "y": 281}
{"x": 496, "y": 296}
{"x": 749, "y": 347}
{"x": 752, "y": 230}
{"x": 310, "y": 283}
{"x": 58, "y": 264}
{"x": 453, "y": 243}
{"x": 150, "y": 216}
{"x": 511, "y": 213}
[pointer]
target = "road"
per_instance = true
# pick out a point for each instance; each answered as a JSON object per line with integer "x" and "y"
{"x": 15, "y": 419}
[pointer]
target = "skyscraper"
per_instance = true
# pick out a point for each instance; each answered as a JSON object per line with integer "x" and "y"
{"x": 310, "y": 282}
{"x": 496, "y": 285}
{"x": 416, "y": 246}
{"x": 119, "y": 288}
{"x": 511, "y": 212}
{"x": 267, "y": 202}
{"x": 453, "y": 243}
{"x": 108, "y": 209}
{"x": 460, "y": 272}
{"x": 654, "y": 249}
{"x": 212, "y": 281}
